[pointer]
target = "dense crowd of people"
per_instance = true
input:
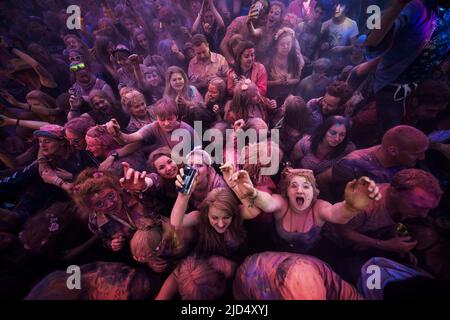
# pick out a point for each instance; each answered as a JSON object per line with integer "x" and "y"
{"x": 99, "y": 126}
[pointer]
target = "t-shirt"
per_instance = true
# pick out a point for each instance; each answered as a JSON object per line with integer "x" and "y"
{"x": 361, "y": 163}
{"x": 340, "y": 34}
{"x": 155, "y": 136}
{"x": 411, "y": 32}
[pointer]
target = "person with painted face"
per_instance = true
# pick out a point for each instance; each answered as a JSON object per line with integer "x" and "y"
{"x": 114, "y": 215}
{"x": 299, "y": 216}
{"x": 161, "y": 247}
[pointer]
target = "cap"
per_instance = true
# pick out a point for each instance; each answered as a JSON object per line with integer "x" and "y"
{"x": 121, "y": 47}
{"x": 51, "y": 131}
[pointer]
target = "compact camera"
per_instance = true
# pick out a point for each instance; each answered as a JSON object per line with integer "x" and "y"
{"x": 188, "y": 179}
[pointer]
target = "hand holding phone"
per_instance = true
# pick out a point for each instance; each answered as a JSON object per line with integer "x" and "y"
{"x": 186, "y": 179}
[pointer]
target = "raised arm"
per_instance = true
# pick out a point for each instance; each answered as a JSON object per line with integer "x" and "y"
{"x": 388, "y": 18}
{"x": 32, "y": 124}
{"x": 113, "y": 128}
{"x": 359, "y": 194}
{"x": 217, "y": 16}
{"x": 243, "y": 187}
{"x": 178, "y": 218}
{"x": 45, "y": 77}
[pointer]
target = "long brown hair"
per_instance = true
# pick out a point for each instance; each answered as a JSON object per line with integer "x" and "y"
{"x": 210, "y": 242}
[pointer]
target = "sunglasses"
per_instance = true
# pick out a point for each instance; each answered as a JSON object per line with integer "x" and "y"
{"x": 78, "y": 66}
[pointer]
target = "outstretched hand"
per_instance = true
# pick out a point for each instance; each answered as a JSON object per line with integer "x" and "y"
{"x": 238, "y": 181}
{"x": 133, "y": 180}
{"x": 360, "y": 193}
{"x": 113, "y": 128}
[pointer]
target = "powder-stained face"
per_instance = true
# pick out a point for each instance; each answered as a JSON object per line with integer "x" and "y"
{"x": 416, "y": 203}
{"x": 106, "y": 201}
{"x": 300, "y": 194}
{"x": 335, "y": 135}
{"x": 219, "y": 220}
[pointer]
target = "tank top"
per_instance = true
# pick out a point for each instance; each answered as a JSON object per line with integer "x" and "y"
{"x": 298, "y": 242}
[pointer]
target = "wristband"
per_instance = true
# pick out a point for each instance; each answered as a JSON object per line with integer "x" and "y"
{"x": 17, "y": 122}
{"x": 253, "y": 198}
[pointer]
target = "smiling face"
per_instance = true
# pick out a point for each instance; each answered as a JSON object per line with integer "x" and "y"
{"x": 177, "y": 81}
{"x": 138, "y": 108}
{"x": 219, "y": 220}
{"x": 106, "y": 201}
{"x": 100, "y": 104}
{"x": 166, "y": 167}
{"x": 247, "y": 58}
{"x": 300, "y": 194}
{"x": 274, "y": 15}
{"x": 335, "y": 135}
